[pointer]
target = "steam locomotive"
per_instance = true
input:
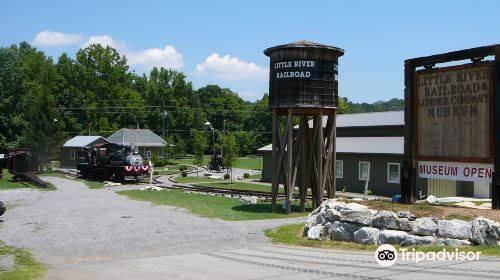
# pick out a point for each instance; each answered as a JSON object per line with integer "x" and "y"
{"x": 111, "y": 162}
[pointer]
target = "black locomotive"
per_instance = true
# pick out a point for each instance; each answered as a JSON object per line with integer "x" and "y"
{"x": 112, "y": 162}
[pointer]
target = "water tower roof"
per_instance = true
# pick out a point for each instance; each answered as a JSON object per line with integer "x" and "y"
{"x": 304, "y": 44}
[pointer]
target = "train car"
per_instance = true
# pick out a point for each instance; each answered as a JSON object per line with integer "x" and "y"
{"x": 111, "y": 162}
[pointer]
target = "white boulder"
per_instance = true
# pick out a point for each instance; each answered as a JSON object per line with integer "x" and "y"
{"x": 366, "y": 235}
{"x": 355, "y": 213}
{"x": 452, "y": 242}
{"x": 485, "y": 231}
{"x": 332, "y": 215}
{"x": 456, "y": 229}
{"x": 389, "y": 220}
{"x": 424, "y": 226}
{"x": 392, "y": 237}
{"x": 245, "y": 200}
{"x": 317, "y": 233}
{"x": 343, "y": 231}
{"x": 412, "y": 240}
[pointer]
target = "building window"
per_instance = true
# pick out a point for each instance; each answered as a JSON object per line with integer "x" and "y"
{"x": 393, "y": 172}
{"x": 148, "y": 154}
{"x": 364, "y": 170}
{"x": 72, "y": 154}
{"x": 339, "y": 169}
{"x": 160, "y": 152}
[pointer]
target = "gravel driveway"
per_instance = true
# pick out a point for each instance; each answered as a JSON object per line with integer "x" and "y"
{"x": 75, "y": 225}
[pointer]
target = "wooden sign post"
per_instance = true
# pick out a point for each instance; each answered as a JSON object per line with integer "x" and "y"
{"x": 450, "y": 117}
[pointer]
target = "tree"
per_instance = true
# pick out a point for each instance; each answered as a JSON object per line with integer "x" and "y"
{"x": 199, "y": 146}
{"x": 180, "y": 147}
{"x": 43, "y": 136}
{"x": 230, "y": 152}
{"x": 111, "y": 101}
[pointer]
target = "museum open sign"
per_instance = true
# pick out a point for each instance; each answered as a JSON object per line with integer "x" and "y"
{"x": 472, "y": 172}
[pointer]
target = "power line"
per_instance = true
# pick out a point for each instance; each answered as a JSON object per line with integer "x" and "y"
{"x": 174, "y": 130}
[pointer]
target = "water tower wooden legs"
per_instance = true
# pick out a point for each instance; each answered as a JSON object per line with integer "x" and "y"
{"x": 305, "y": 153}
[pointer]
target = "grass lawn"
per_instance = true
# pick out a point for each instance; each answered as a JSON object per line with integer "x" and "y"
{"x": 25, "y": 266}
{"x": 213, "y": 206}
{"x": 8, "y": 184}
{"x": 239, "y": 186}
{"x": 193, "y": 180}
{"x": 292, "y": 235}
{"x": 250, "y": 162}
{"x": 256, "y": 176}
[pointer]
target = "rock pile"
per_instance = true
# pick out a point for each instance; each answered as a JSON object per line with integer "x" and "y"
{"x": 340, "y": 221}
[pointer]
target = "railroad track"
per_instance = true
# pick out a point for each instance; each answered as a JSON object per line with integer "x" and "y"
{"x": 226, "y": 191}
{"x": 221, "y": 191}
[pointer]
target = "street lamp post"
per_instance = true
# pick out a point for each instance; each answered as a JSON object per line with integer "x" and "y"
{"x": 213, "y": 135}
{"x": 164, "y": 115}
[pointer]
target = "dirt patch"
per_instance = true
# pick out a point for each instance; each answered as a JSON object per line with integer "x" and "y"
{"x": 437, "y": 211}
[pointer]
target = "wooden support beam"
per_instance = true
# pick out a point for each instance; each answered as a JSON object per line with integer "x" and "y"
{"x": 495, "y": 186}
{"x": 320, "y": 145}
{"x": 289, "y": 150}
{"x": 408, "y": 168}
{"x": 310, "y": 172}
{"x": 303, "y": 165}
{"x": 329, "y": 154}
{"x": 333, "y": 170}
{"x": 275, "y": 166}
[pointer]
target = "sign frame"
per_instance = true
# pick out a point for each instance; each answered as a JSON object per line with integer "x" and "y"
{"x": 476, "y": 56}
{"x": 482, "y": 64}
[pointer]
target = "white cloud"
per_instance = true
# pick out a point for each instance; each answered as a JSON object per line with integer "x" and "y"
{"x": 105, "y": 40}
{"x": 249, "y": 95}
{"x": 167, "y": 57}
{"x": 230, "y": 68}
{"x": 52, "y": 38}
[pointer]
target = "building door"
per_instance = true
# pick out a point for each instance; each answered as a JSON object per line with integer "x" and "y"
{"x": 481, "y": 190}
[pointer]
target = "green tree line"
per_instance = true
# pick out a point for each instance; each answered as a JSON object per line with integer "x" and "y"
{"x": 45, "y": 102}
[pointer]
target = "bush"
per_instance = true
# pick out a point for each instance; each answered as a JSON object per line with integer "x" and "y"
{"x": 156, "y": 173}
{"x": 184, "y": 174}
{"x": 182, "y": 168}
{"x": 227, "y": 176}
{"x": 246, "y": 175}
{"x": 154, "y": 160}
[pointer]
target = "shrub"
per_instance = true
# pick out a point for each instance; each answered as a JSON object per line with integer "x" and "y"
{"x": 182, "y": 168}
{"x": 184, "y": 174}
{"x": 156, "y": 173}
{"x": 227, "y": 176}
{"x": 246, "y": 175}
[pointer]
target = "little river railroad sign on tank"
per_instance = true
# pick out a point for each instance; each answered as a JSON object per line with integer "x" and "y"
{"x": 453, "y": 107}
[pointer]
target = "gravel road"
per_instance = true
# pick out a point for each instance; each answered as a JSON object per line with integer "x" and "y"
{"x": 75, "y": 224}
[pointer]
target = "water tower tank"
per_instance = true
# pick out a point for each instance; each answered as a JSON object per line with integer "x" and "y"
{"x": 303, "y": 75}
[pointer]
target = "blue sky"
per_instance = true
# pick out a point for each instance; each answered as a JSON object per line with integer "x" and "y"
{"x": 221, "y": 42}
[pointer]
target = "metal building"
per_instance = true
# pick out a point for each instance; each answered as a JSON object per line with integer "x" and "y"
{"x": 376, "y": 139}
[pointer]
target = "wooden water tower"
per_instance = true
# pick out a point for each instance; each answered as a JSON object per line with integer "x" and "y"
{"x": 303, "y": 87}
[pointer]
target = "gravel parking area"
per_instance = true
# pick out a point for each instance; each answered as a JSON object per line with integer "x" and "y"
{"x": 75, "y": 224}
